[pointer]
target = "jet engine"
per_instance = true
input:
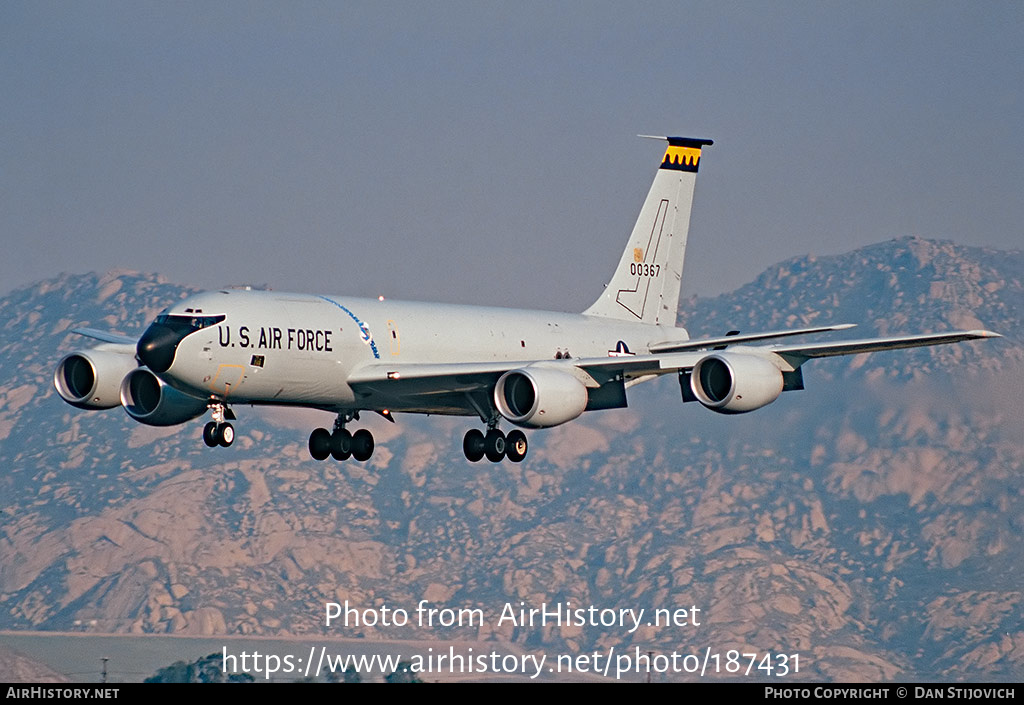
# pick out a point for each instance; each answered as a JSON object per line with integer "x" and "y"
{"x": 539, "y": 397}
{"x": 91, "y": 379}
{"x": 732, "y": 383}
{"x": 150, "y": 401}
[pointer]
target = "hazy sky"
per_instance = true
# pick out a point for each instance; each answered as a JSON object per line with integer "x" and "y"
{"x": 485, "y": 152}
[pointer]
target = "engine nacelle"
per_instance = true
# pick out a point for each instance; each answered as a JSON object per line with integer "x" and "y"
{"x": 150, "y": 401}
{"x": 536, "y": 397}
{"x": 91, "y": 379}
{"x": 734, "y": 383}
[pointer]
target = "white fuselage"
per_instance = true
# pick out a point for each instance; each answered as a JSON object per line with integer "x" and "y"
{"x": 279, "y": 348}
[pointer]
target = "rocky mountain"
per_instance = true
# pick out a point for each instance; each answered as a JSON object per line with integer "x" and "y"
{"x": 18, "y": 668}
{"x": 871, "y": 524}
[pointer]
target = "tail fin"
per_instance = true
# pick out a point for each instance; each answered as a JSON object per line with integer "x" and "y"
{"x": 645, "y": 285}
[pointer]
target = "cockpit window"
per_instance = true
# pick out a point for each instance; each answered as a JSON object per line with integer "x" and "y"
{"x": 187, "y": 323}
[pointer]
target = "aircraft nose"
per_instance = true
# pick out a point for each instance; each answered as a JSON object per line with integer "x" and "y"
{"x": 157, "y": 346}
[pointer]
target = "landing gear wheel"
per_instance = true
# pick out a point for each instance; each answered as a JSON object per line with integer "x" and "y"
{"x": 473, "y": 445}
{"x": 320, "y": 443}
{"x": 362, "y": 445}
{"x": 494, "y": 445}
{"x": 225, "y": 434}
{"x": 210, "y": 434}
{"x": 516, "y": 446}
{"x": 341, "y": 444}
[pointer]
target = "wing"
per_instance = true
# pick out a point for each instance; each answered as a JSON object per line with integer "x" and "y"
{"x": 440, "y": 388}
{"x": 464, "y": 389}
{"x": 105, "y": 336}
{"x": 798, "y": 354}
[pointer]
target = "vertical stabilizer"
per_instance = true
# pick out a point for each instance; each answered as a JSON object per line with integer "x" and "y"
{"x": 645, "y": 285}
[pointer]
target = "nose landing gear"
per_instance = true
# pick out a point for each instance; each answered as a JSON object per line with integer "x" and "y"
{"x": 215, "y": 434}
{"x": 219, "y": 432}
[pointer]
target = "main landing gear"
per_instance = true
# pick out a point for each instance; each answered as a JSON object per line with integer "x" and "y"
{"x": 219, "y": 432}
{"x": 495, "y": 445}
{"x": 340, "y": 444}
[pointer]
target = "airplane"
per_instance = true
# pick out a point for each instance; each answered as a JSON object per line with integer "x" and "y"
{"x": 532, "y": 369}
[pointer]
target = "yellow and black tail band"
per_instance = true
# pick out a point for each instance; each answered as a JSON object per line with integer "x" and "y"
{"x": 683, "y": 153}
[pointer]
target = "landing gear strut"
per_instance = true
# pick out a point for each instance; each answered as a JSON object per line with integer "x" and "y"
{"x": 219, "y": 432}
{"x": 341, "y": 444}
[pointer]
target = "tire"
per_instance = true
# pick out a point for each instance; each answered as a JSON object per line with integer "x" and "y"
{"x": 362, "y": 445}
{"x": 341, "y": 444}
{"x": 210, "y": 434}
{"x": 494, "y": 445}
{"x": 320, "y": 443}
{"x": 516, "y": 446}
{"x": 473, "y": 445}
{"x": 226, "y": 434}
